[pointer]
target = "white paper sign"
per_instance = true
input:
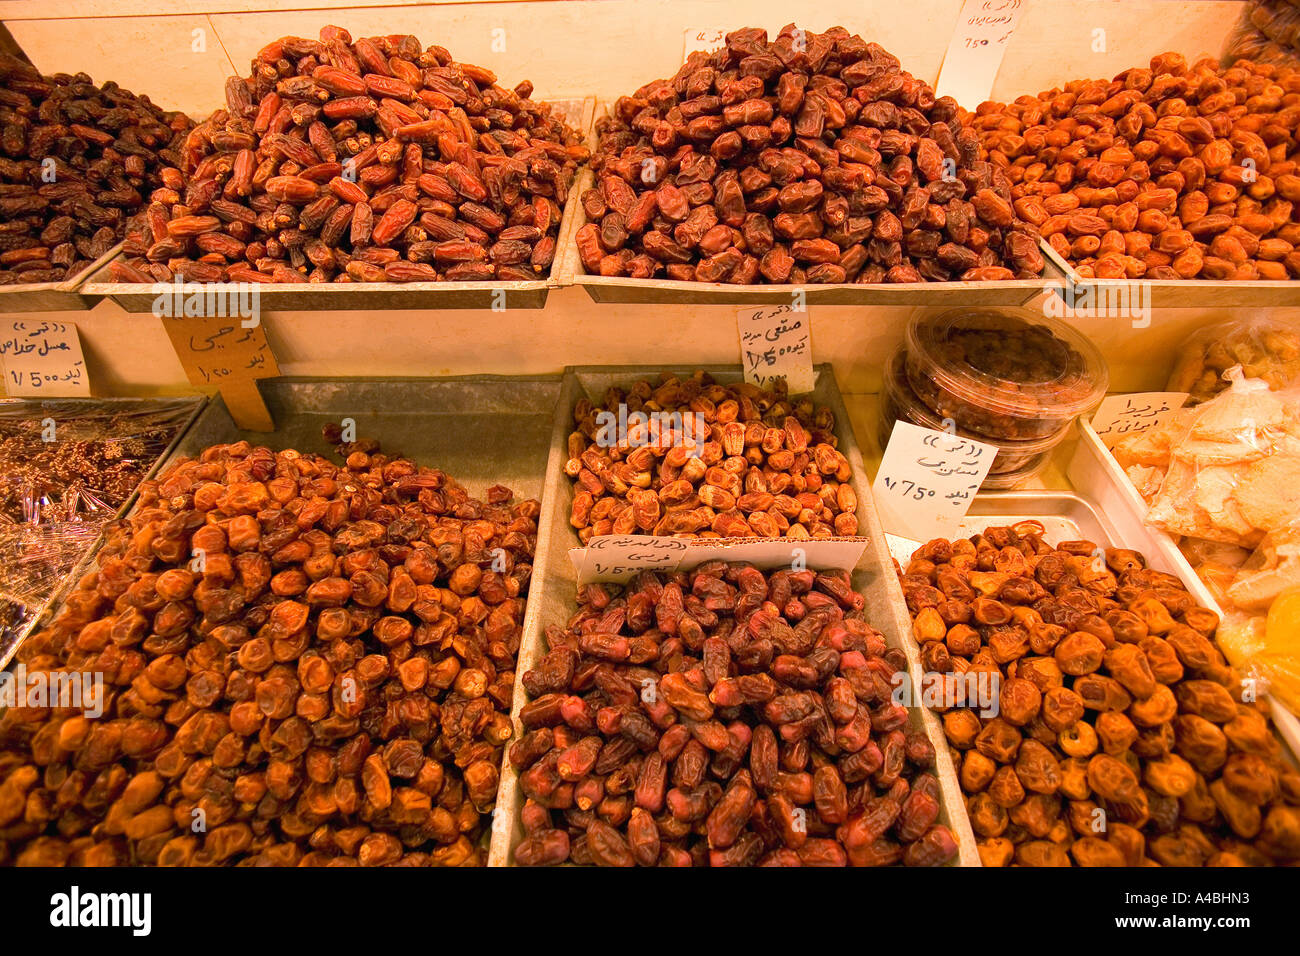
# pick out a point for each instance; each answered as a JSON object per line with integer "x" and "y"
{"x": 975, "y": 52}
{"x": 927, "y": 480}
{"x": 776, "y": 342}
{"x": 619, "y": 558}
{"x": 1120, "y": 415}
{"x": 706, "y": 39}
{"x": 42, "y": 358}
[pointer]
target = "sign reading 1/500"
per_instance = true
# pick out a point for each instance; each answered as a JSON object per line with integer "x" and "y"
{"x": 909, "y": 489}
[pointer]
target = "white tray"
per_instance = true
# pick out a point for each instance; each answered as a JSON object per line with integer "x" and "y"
{"x": 1094, "y": 472}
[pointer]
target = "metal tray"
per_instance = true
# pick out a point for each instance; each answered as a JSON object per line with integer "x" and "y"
{"x": 1184, "y": 293}
{"x": 552, "y": 599}
{"x": 620, "y": 289}
{"x": 481, "y": 430}
{"x": 1065, "y": 516}
{"x": 138, "y": 297}
{"x": 1094, "y": 470}
{"x": 10, "y": 647}
{"x": 65, "y": 296}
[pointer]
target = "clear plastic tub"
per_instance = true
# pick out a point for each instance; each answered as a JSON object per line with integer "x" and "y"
{"x": 1014, "y": 375}
{"x": 1015, "y": 461}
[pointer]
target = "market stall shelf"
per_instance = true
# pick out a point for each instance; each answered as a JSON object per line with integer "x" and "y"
{"x": 66, "y": 296}
{"x": 386, "y": 296}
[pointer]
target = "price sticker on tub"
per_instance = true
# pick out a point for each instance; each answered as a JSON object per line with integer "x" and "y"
{"x": 619, "y": 558}
{"x": 928, "y": 480}
{"x": 776, "y": 342}
{"x": 1120, "y": 415}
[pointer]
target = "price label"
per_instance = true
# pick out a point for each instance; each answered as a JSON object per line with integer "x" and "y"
{"x": 776, "y": 342}
{"x": 42, "y": 358}
{"x": 1120, "y": 415}
{"x": 220, "y": 352}
{"x": 928, "y": 480}
{"x": 975, "y": 52}
{"x": 706, "y": 39}
{"x": 621, "y": 557}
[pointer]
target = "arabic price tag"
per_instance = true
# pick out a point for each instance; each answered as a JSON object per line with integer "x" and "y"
{"x": 1120, "y": 415}
{"x": 706, "y": 39}
{"x": 620, "y": 557}
{"x": 928, "y": 480}
{"x": 975, "y": 52}
{"x": 42, "y": 358}
{"x": 219, "y": 352}
{"x": 776, "y": 342}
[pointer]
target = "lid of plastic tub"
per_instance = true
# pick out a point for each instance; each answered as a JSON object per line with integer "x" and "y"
{"x": 918, "y": 413}
{"x": 1012, "y": 362}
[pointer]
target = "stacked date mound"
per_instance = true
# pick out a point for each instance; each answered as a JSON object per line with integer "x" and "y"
{"x": 75, "y": 160}
{"x": 1172, "y": 172}
{"x": 1121, "y": 736}
{"x": 813, "y": 158}
{"x": 723, "y": 717}
{"x": 361, "y": 162}
{"x": 701, "y": 459}
{"x": 314, "y": 661}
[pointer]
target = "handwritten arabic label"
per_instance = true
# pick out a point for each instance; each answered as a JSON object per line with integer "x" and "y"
{"x": 928, "y": 480}
{"x": 615, "y": 560}
{"x": 975, "y": 52}
{"x": 216, "y": 349}
{"x": 706, "y": 39}
{"x": 42, "y": 358}
{"x": 1120, "y": 415}
{"x": 621, "y": 557}
{"x": 776, "y": 342}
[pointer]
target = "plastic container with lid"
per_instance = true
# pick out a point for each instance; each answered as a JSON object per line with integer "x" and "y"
{"x": 1015, "y": 461}
{"x": 1003, "y": 374}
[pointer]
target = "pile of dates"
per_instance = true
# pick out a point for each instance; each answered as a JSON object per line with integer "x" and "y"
{"x": 304, "y": 664}
{"x": 1167, "y": 172}
{"x": 723, "y": 717}
{"x": 696, "y": 458}
{"x": 76, "y": 160}
{"x": 373, "y": 161}
{"x": 811, "y": 158}
{"x": 1121, "y": 735}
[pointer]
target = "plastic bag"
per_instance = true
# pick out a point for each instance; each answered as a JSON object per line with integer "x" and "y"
{"x": 65, "y": 457}
{"x": 35, "y": 561}
{"x": 1264, "y": 348}
{"x": 67, "y": 466}
{"x": 1267, "y": 32}
{"x": 1233, "y": 474}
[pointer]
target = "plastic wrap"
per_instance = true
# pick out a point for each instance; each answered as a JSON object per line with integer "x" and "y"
{"x": 67, "y": 466}
{"x": 1261, "y": 624}
{"x": 1264, "y": 348}
{"x": 1268, "y": 32}
{"x": 1233, "y": 471}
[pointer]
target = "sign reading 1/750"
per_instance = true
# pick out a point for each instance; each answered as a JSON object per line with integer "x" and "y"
{"x": 909, "y": 489}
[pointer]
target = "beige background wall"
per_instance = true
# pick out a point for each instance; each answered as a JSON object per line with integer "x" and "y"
{"x": 600, "y": 47}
